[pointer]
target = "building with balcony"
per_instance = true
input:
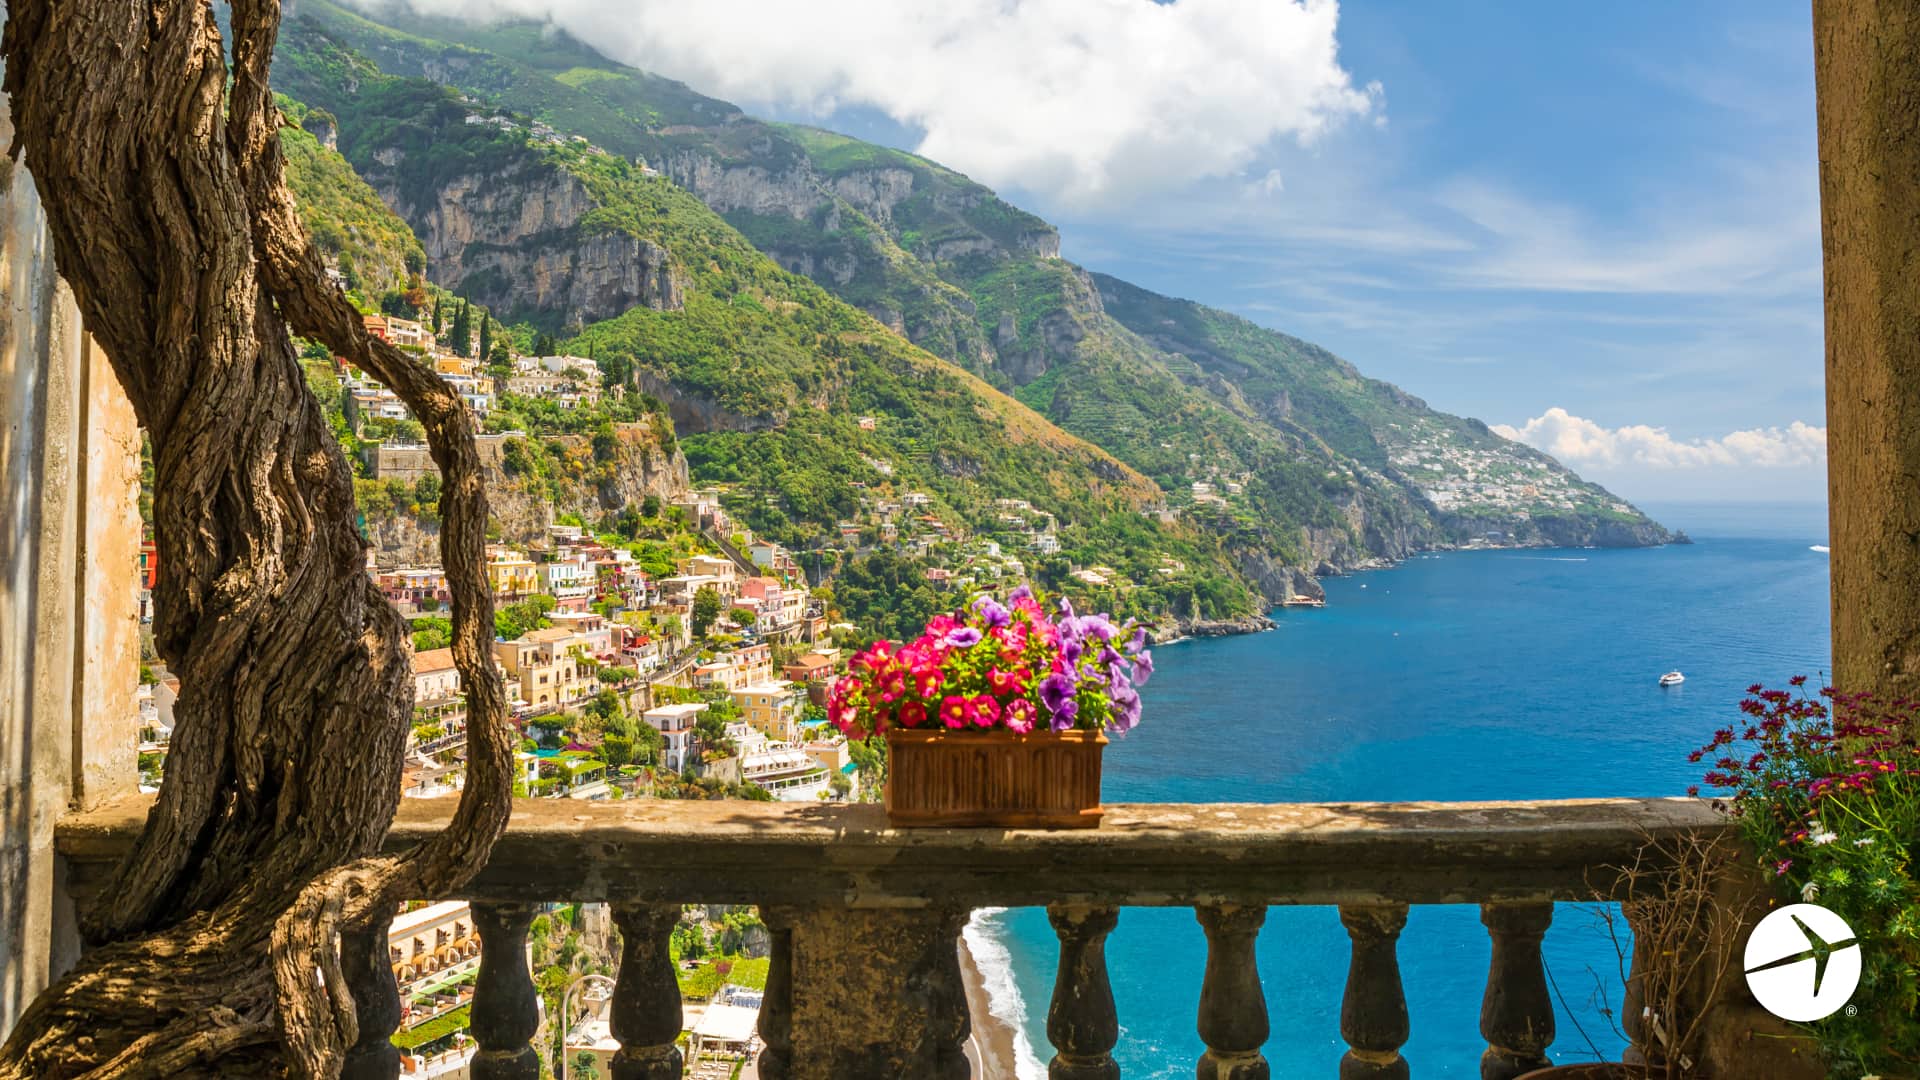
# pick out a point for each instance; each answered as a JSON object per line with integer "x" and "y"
{"x": 675, "y": 724}
{"x": 511, "y": 575}
{"x": 774, "y": 709}
{"x": 784, "y": 769}
{"x": 551, "y": 665}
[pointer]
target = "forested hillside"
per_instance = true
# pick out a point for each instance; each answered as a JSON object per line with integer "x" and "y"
{"x": 1278, "y": 458}
{"x": 804, "y": 405}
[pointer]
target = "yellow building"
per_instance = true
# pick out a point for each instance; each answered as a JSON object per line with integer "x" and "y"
{"x": 549, "y": 665}
{"x": 773, "y": 708}
{"x": 513, "y": 575}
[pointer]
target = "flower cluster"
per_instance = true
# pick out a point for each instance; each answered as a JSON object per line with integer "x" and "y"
{"x": 1795, "y": 749}
{"x": 1826, "y": 788}
{"x": 1014, "y": 665}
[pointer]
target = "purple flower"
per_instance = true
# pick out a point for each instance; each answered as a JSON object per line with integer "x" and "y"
{"x": 1020, "y": 592}
{"x": 1063, "y": 720}
{"x": 1109, "y": 657}
{"x": 1143, "y": 667}
{"x": 1071, "y": 649}
{"x": 1126, "y": 709}
{"x": 992, "y": 612}
{"x": 1066, "y": 612}
{"x": 1139, "y": 640}
{"x": 1056, "y": 693}
{"x": 1098, "y": 626}
{"x": 965, "y": 637}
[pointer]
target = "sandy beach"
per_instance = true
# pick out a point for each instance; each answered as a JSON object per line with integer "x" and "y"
{"x": 990, "y": 1047}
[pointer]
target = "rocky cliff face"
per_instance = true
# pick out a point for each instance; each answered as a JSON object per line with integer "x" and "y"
{"x": 645, "y": 460}
{"x": 513, "y": 243}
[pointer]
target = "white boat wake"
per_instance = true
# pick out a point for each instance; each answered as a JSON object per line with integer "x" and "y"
{"x": 984, "y": 933}
{"x": 1821, "y": 548}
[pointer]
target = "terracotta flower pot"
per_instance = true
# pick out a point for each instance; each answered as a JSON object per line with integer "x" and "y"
{"x": 1041, "y": 780}
{"x": 1588, "y": 1070}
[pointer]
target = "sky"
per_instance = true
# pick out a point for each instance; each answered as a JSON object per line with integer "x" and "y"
{"x": 1593, "y": 226}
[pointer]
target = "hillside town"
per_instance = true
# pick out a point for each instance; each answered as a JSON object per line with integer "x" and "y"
{"x": 1497, "y": 478}
{"x": 698, "y": 676}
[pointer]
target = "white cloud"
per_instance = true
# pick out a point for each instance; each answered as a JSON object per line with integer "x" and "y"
{"x": 1085, "y": 101}
{"x": 1579, "y": 441}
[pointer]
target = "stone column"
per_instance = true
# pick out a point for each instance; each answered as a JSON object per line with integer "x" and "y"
{"x": 1373, "y": 1012}
{"x": 376, "y": 1002}
{"x": 1516, "y": 1012}
{"x": 646, "y": 1014}
{"x": 1867, "y": 74}
{"x": 877, "y": 992}
{"x": 1233, "y": 1008}
{"x": 1081, "y": 1022}
{"x": 776, "y": 1004}
{"x": 505, "y": 1012}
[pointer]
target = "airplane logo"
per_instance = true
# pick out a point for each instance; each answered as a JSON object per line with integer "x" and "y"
{"x": 1802, "y": 963}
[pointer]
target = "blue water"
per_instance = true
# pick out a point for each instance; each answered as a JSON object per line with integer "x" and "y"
{"x": 1472, "y": 675}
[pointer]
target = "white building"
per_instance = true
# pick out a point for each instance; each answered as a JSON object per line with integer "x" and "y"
{"x": 675, "y": 724}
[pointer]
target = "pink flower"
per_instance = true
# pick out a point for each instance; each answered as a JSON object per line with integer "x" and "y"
{"x": 913, "y": 714}
{"x": 1018, "y": 714}
{"x": 1003, "y": 682}
{"x": 953, "y": 711}
{"x": 986, "y": 711}
{"x": 927, "y": 683}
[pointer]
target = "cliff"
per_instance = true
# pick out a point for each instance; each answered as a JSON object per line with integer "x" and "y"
{"x": 514, "y": 241}
{"x": 569, "y": 474}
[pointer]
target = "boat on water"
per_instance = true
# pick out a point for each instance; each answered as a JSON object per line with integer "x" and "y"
{"x": 1303, "y": 600}
{"x": 1672, "y": 678}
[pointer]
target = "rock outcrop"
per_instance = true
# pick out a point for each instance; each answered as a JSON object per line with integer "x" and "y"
{"x": 644, "y": 459}
{"x": 514, "y": 243}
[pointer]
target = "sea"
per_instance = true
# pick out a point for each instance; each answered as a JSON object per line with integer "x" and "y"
{"x": 1461, "y": 675}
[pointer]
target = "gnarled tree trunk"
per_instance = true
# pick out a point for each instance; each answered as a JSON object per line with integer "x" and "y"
{"x": 217, "y": 947}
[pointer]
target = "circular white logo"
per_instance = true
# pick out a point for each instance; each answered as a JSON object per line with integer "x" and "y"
{"x": 1802, "y": 962}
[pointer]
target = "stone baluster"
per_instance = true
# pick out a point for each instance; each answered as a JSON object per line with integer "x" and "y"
{"x": 376, "y": 1001}
{"x": 1516, "y": 1014}
{"x": 505, "y": 1012}
{"x": 1081, "y": 1022}
{"x": 776, "y": 1003}
{"x": 1373, "y": 1013}
{"x": 1233, "y": 1009}
{"x": 645, "y": 1014}
{"x": 879, "y": 993}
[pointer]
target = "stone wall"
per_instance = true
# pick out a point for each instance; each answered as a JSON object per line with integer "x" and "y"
{"x": 69, "y": 635}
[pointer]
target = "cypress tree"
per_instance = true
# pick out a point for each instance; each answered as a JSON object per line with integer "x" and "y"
{"x": 462, "y": 331}
{"x": 486, "y": 336}
{"x": 437, "y": 325}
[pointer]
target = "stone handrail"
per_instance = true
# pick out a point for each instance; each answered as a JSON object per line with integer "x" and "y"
{"x": 861, "y": 913}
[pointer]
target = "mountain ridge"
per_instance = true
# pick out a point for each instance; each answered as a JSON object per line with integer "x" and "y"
{"x": 1286, "y": 453}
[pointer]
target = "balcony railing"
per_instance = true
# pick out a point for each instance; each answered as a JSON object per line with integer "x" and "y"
{"x": 865, "y": 980}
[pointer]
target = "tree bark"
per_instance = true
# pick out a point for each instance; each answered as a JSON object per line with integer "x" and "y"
{"x": 1867, "y": 74}
{"x": 216, "y": 950}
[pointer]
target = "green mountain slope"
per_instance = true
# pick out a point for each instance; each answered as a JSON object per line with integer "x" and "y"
{"x": 806, "y": 405}
{"x": 372, "y": 248}
{"x": 1285, "y": 453}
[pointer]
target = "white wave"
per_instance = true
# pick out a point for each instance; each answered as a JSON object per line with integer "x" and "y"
{"x": 1553, "y": 558}
{"x": 984, "y": 934}
{"x": 1821, "y": 548}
